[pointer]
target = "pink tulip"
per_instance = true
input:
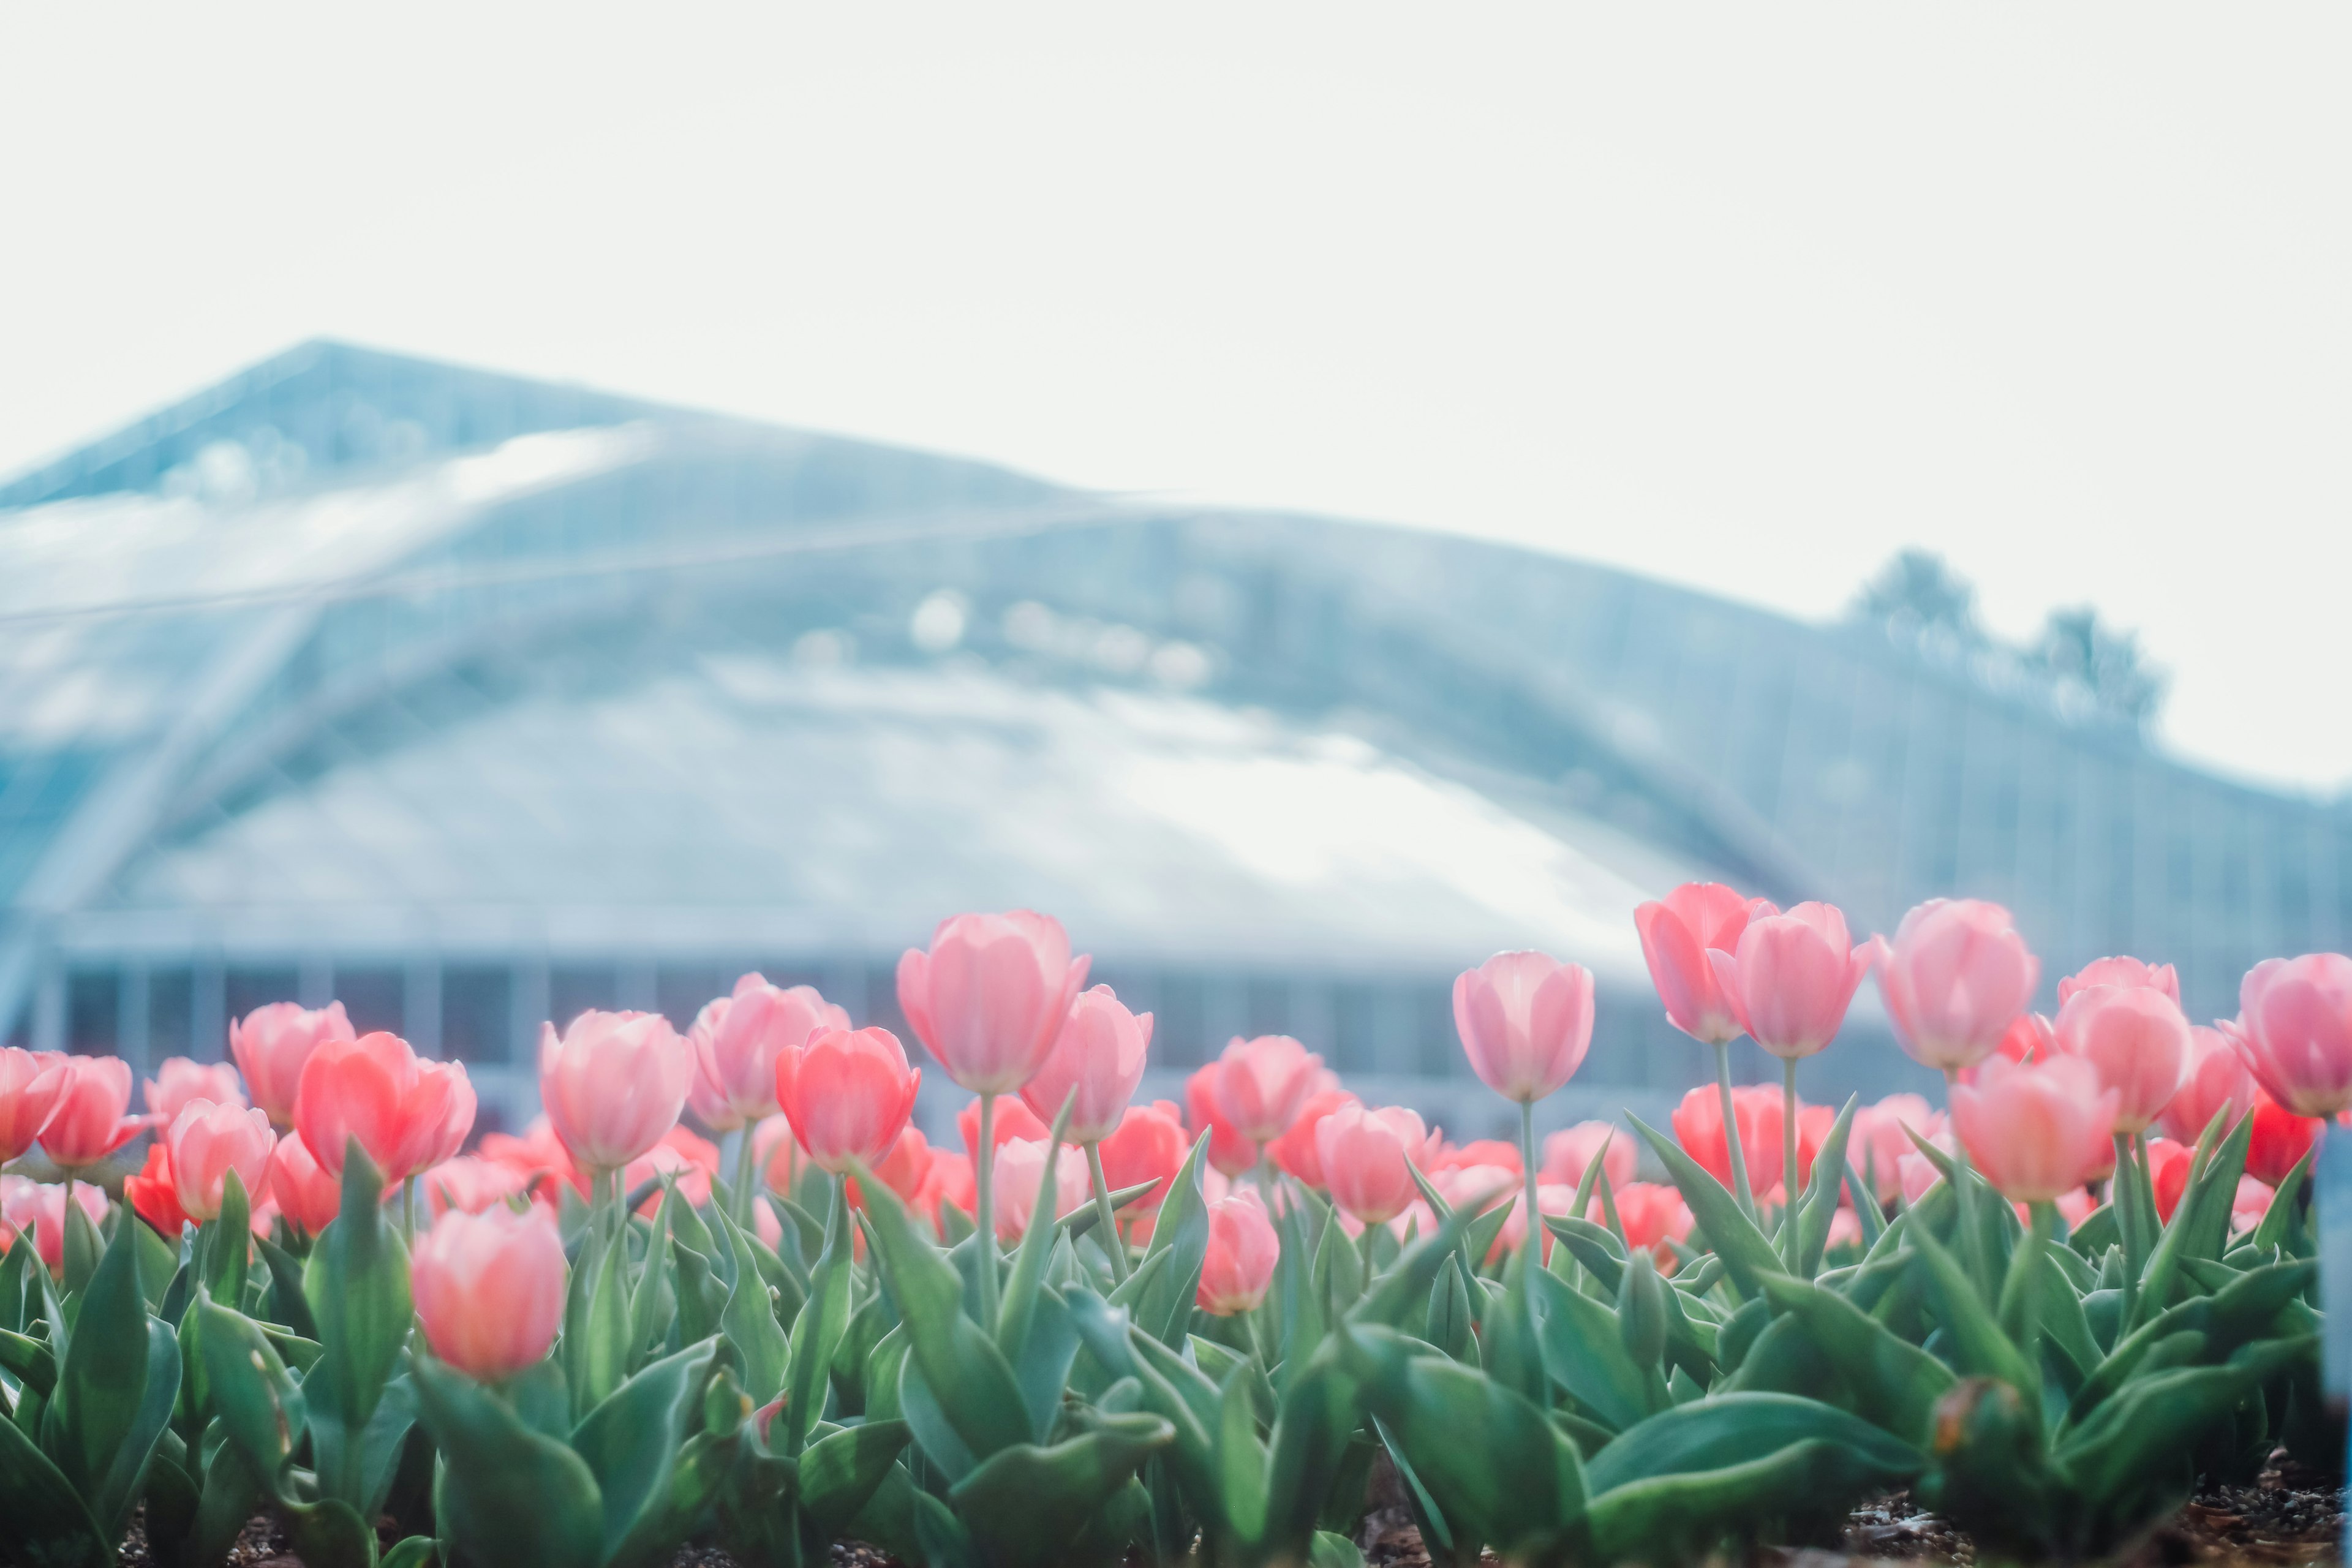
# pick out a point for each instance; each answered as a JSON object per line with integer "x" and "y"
{"x": 1525, "y": 1021}
{"x": 1014, "y": 1119}
{"x": 2121, "y": 972}
{"x": 407, "y": 1113}
{"x": 1654, "y": 1216}
{"x": 988, "y": 999}
{"x": 539, "y": 1156}
{"x": 2138, "y": 1040}
{"x": 1792, "y": 978}
{"x": 30, "y": 1082}
{"x": 2295, "y": 1030}
{"x": 38, "y": 1208}
{"x": 1445, "y": 1156}
{"x": 2076, "y": 1206}
{"x": 1554, "y": 1199}
{"x": 1100, "y": 1054}
{"x": 1149, "y": 1146}
{"x": 1917, "y": 1173}
{"x": 2249, "y": 1204}
{"x": 88, "y": 1123}
{"x": 1229, "y": 1152}
{"x": 613, "y": 1084}
{"x": 776, "y": 1151}
{"x": 1878, "y": 1144}
{"x": 207, "y": 1142}
{"x": 490, "y": 1289}
{"x": 272, "y": 1044}
{"x": 848, "y": 1093}
{"x": 1262, "y": 1084}
{"x": 1366, "y": 1155}
{"x": 1699, "y": 1128}
{"x": 2215, "y": 1080}
{"x": 1677, "y": 933}
{"x": 1567, "y": 1153}
{"x": 1294, "y": 1151}
{"x": 1241, "y": 1256}
{"x": 1954, "y": 979}
{"x": 305, "y": 1191}
{"x": 2035, "y": 1132}
{"x": 470, "y": 1184}
{"x": 1020, "y": 1169}
{"x": 180, "y": 1081}
{"x": 736, "y": 1039}
{"x": 689, "y": 1160}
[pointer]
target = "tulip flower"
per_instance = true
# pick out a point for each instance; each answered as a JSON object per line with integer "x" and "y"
{"x": 848, "y": 1093}
{"x": 2214, "y": 1082}
{"x": 2036, "y": 1131}
{"x": 207, "y": 1142}
{"x": 1149, "y": 1146}
{"x": 470, "y": 1184}
{"x": 1294, "y": 1151}
{"x": 2249, "y": 1204}
{"x": 1366, "y": 1155}
{"x": 180, "y": 1081}
{"x": 1264, "y": 1083}
{"x": 1567, "y": 1153}
{"x": 2168, "y": 1174}
{"x": 613, "y": 1083}
{"x": 688, "y": 1159}
{"x": 490, "y": 1289}
{"x": 38, "y": 1209}
{"x": 1878, "y": 1141}
{"x": 30, "y": 1082}
{"x": 272, "y": 1044}
{"x": 88, "y": 1122}
{"x": 1699, "y": 1127}
{"x": 1100, "y": 1055}
{"x": 2033, "y": 1038}
{"x": 736, "y": 1038}
{"x": 1954, "y": 979}
{"x": 407, "y": 1113}
{"x": 775, "y": 1152}
{"x": 1917, "y": 1173}
{"x": 1525, "y": 1021}
{"x": 2137, "y": 1038}
{"x": 2278, "y": 1140}
{"x": 305, "y": 1192}
{"x": 947, "y": 1179}
{"x": 1012, "y": 1119}
{"x": 1243, "y": 1252}
{"x": 1021, "y": 1169}
{"x": 540, "y": 1159}
{"x": 1229, "y": 1152}
{"x": 152, "y": 1196}
{"x": 1653, "y": 1215}
{"x": 1555, "y": 1199}
{"x": 1677, "y": 934}
{"x": 2121, "y": 972}
{"x": 2295, "y": 1030}
{"x": 988, "y": 999}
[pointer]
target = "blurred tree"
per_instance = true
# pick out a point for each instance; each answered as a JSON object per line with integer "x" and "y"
{"x": 2088, "y": 662}
{"x": 1917, "y": 598}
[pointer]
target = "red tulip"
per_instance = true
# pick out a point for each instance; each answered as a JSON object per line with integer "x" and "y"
{"x": 2295, "y": 1030}
{"x": 1014, "y": 1119}
{"x": 30, "y": 1083}
{"x": 1792, "y": 978}
{"x": 2214, "y": 1082}
{"x": 273, "y": 1044}
{"x": 2121, "y": 972}
{"x": 1021, "y": 1169}
{"x": 1241, "y": 1256}
{"x": 1954, "y": 979}
{"x": 1366, "y": 1158}
{"x": 1099, "y": 1053}
{"x": 88, "y": 1123}
{"x": 1654, "y": 1215}
{"x": 1229, "y": 1152}
{"x": 1262, "y": 1084}
{"x": 736, "y": 1038}
{"x": 1149, "y": 1146}
{"x": 1567, "y": 1153}
{"x": 906, "y": 1170}
{"x": 848, "y": 1093}
{"x": 613, "y": 1083}
{"x": 180, "y": 1081}
{"x": 2037, "y": 1132}
{"x": 2168, "y": 1174}
{"x": 1294, "y": 1151}
{"x": 1878, "y": 1143}
{"x": 305, "y": 1191}
{"x": 1525, "y": 1021}
{"x": 2278, "y": 1140}
{"x": 1699, "y": 1128}
{"x": 490, "y": 1289}
{"x": 947, "y": 1180}
{"x": 1677, "y": 932}
{"x": 539, "y": 1153}
{"x": 1477, "y": 1152}
{"x": 406, "y": 1112}
{"x": 207, "y": 1142}
{"x": 151, "y": 1195}
{"x": 2137, "y": 1040}
{"x": 988, "y": 999}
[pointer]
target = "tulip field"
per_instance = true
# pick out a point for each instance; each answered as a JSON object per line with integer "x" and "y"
{"x": 723, "y": 1294}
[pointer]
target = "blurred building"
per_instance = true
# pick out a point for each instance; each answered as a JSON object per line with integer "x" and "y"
{"x": 475, "y": 701}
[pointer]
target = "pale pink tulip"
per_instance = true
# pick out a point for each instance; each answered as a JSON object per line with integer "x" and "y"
{"x": 207, "y": 1142}
{"x": 1567, "y": 1153}
{"x": 988, "y": 999}
{"x": 2249, "y": 1204}
{"x": 1877, "y": 1144}
{"x": 271, "y": 1045}
{"x": 2295, "y": 1030}
{"x": 2076, "y": 1206}
{"x": 470, "y": 1184}
{"x": 1020, "y": 1170}
{"x": 1677, "y": 933}
{"x": 38, "y": 1209}
{"x": 613, "y": 1083}
{"x": 1099, "y": 1054}
{"x": 2121, "y": 971}
{"x": 1241, "y": 1256}
{"x": 30, "y": 1082}
{"x": 2135, "y": 1038}
{"x": 2037, "y": 1132}
{"x": 689, "y": 1160}
{"x": 1954, "y": 979}
{"x": 1525, "y": 1021}
{"x": 304, "y": 1191}
{"x": 2215, "y": 1080}
{"x": 89, "y": 1121}
{"x": 736, "y": 1039}
{"x": 848, "y": 1093}
{"x": 490, "y": 1289}
{"x": 1262, "y": 1084}
{"x": 1917, "y": 1173}
{"x": 180, "y": 1081}
{"x": 1792, "y": 978}
{"x": 1366, "y": 1155}
{"x": 406, "y": 1112}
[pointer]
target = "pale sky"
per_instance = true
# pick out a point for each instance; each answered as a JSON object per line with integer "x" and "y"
{"x": 1744, "y": 297}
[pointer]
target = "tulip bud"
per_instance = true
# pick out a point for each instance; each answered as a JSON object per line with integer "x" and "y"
{"x": 2037, "y": 1132}
{"x": 736, "y": 1039}
{"x": 305, "y": 1192}
{"x": 848, "y": 1094}
{"x": 180, "y": 1081}
{"x": 490, "y": 1289}
{"x": 1366, "y": 1159}
{"x": 89, "y": 1121}
{"x": 1954, "y": 979}
{"x": 613, "y": 1083}
{"x": 1099, "y": 1053}
{"x": 1262, "y": 1084}
{"x": 1243, "y": 1252}
{"x": 988, "y": 999}
{"x": 2136, "y": 1040}
{"x": 407, "y": 1113}
{"x": 2295, "y": 1030}
{"x": 273, "y": 1044}
{"x": 30, "y": 1082}
{"x": 1677, "y": 933}
{"x": 209, "y": 1141}
{"x": 1525, "y": 1021}
{"x": 1792, "y": 978}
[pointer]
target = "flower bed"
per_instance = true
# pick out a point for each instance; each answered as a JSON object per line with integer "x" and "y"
{"x": 1109, "y": 1331}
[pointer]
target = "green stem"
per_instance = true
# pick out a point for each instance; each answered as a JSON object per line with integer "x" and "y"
{"x": 1105, "y": 1216}
{"x": 746, "y": 1173}
{"x": 1791, "y": 1245}
{"x": 1528, "y": 1165}
{"x": 408, "y": 1209}
{"x": 1972, "y": 1250}
{"x": 1740, "y": 1185}
{"x": 2124, "y": 1193}
{"x": 2151, "y": 1224}
{"x": 984, "y": 1191}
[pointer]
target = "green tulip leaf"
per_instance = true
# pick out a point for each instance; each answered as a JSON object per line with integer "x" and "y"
{"x": 841, "y": 1469}
{"x": 1746, "y": 1254}
{"x": 1728, "y": 1429}
{"x": 42, "y": 1518}
{"x": 1024, "y": 1503}
{"x": 631, "y": 1442}
{"x": 256, "y": 1399}
{"x": 507, "y": 1495}
{"x": 1584, "y": 1353}
{"x": 356, "y": 1284}
{"x": 1895, "y": 1383}
{"x": 1680, "y": 1515}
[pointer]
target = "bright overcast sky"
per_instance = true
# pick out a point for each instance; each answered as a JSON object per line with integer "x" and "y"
{"x": 1746, "y": 297}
